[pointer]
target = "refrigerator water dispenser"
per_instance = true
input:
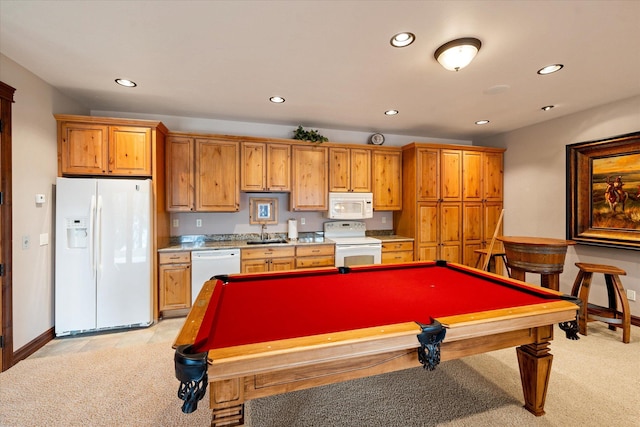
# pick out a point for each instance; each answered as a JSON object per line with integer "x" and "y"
{"x": 77, "y": 233}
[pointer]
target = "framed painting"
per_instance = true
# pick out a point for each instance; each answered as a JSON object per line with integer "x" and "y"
{"x": 603, "y": 192}
{"x": 263, "y": 211}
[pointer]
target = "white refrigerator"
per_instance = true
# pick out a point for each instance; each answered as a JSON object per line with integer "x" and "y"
{"x": 103, "y": 254}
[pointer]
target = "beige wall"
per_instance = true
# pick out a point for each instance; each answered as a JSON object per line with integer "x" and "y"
{"x": 34, "y": 172}
{"x": 535, "y": 183}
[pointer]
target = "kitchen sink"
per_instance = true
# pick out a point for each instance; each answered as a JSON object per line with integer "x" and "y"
{"x": 266, "y": 242}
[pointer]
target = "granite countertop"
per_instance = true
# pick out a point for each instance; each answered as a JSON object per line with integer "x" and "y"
{"x": 204, "y": 244}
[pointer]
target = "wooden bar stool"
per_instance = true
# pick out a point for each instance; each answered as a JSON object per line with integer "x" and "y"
{"x": 611, "y": 315}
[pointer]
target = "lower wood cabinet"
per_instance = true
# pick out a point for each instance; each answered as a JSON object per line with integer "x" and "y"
{"x": 260, "y": 260}
{"x": 313, "y": 256}
{"x": 397, "y": 252}
{"x": 174, "y": 280}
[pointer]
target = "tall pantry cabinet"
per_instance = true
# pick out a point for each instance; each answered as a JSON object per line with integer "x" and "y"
{"x": 452, "y": 198}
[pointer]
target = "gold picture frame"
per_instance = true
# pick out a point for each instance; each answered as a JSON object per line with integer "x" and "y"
{"x": 263, "y": 210}
{"x": 603, "y": 192}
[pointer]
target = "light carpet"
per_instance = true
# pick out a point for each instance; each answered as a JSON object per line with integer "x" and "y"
{"x": 594, "y": 382}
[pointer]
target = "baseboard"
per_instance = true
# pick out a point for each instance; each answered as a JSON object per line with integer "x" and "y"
{"x": 33, "y": 346}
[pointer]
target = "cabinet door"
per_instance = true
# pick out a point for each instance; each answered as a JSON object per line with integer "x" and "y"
{"x": 217, "y": 176}
{"x": 180, "y": 174}
{"x": 130, "y": 151}
{"x": 254, "y": 166}
{"x": 387, "y": 180}
{"x": 339, "y": 169}
{"x": 428, "y": 174}
{"x": 278, "y": 167}
{"x": 473, "y": 232}
{"x": 451, "y": 231}
{"x": 175, "y": 286}
{"x": 310, "y": 182}
{"x": 282, "y": 264}
{"x": 83, "y": 149}
{"x": 360, "y": 168}
{"x": 255, "y": 266}
{"x": 493, "y": 177}
{"x": 427, "y": 242}
{"x": 472, "y": 167}
{"x": 450, "y": 175}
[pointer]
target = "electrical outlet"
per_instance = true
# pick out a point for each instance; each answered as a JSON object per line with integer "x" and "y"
{"x": 176, "y": 223}
{"x": 302, "y": 221}
{"x": 26, "y": 241}
{"x": 198, "y": 222}
{"x": 384, "y": 219}
{"x": 631, "y": 295}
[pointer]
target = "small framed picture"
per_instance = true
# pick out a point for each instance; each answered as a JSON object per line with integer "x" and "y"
{"x": 263, "y": 211}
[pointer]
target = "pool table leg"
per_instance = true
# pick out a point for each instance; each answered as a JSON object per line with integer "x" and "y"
{"x": 535, "y": 367}
{"x": 227, "y": 403}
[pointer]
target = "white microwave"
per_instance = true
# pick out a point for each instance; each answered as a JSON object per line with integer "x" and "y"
{"x": 350, "y": 206}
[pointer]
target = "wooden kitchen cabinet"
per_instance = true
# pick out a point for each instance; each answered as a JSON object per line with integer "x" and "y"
{"x": 175, "y": 280}
{"x": 180, "y": 167}
{"x": 270, "y": 258}
{"x": 387, "y": 180}
{"x": 217, "y": 175}
{"x": 309, "y": 168}
{"x": 349, "y": 170}
{"x": 91, "y": 148}
{"x": 313, "y": 256}
{"x": 265, "y": 167}
{"x": 397, "y": 252}
{"x": 203, "y": 174}
{"x": 448, "y": 185}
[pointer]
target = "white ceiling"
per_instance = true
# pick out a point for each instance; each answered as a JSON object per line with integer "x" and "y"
{"x": 331, "y": 60}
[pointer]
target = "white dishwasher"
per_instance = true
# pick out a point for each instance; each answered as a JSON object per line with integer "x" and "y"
{"x": 212, "y": 262}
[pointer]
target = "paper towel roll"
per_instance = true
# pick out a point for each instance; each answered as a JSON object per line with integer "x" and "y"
{"x": 293, "y": 229}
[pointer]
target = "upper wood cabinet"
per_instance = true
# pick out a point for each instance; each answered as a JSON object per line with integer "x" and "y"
{"x": 203, "y": 174}
{"x": 309, "y": 167}
{"x": 265, "y": 167}
{"x": 217, "y": 175}
{"x": 180, "y": 174}
{"x": 387, "y": 180}
{"x": 91, "y": 148}
{"x": 349, "y": 170}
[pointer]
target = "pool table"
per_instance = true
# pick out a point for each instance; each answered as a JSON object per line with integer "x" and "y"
{"x": 254, "y": 335}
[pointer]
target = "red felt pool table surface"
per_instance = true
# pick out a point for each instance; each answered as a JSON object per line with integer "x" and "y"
{"x": 272, "y": 333}
{"x": 277, "y": 306}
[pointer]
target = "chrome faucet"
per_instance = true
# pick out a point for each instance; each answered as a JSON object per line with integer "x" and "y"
{"x": 263, "y": 231}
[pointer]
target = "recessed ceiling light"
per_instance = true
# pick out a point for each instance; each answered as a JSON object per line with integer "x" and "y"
{"x": 126, "y": 83}
{"x": 402, "y": 39}
{"x": 550, "y": 69}
{"x": 391, "y": 112}
{"x": 276, "y": 99}
{"x": 482, "y": 122}
{"x": 547, "y": 107}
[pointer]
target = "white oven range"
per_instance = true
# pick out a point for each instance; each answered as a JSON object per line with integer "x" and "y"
{"x": 352, "y": 245}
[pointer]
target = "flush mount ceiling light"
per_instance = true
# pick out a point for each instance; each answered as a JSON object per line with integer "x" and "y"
{"x": 550, "y": 69}
{"x": 402, "y": 39}
{"x": 457, "y": 54}
{"x": 126, "y": 83}
{"x": 276, "y": 99}
{"x": 391, "y": 112}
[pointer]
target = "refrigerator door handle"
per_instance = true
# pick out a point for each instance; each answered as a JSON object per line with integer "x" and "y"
{"x": 92, "y": 247}
{"x": 99, "y": 239}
